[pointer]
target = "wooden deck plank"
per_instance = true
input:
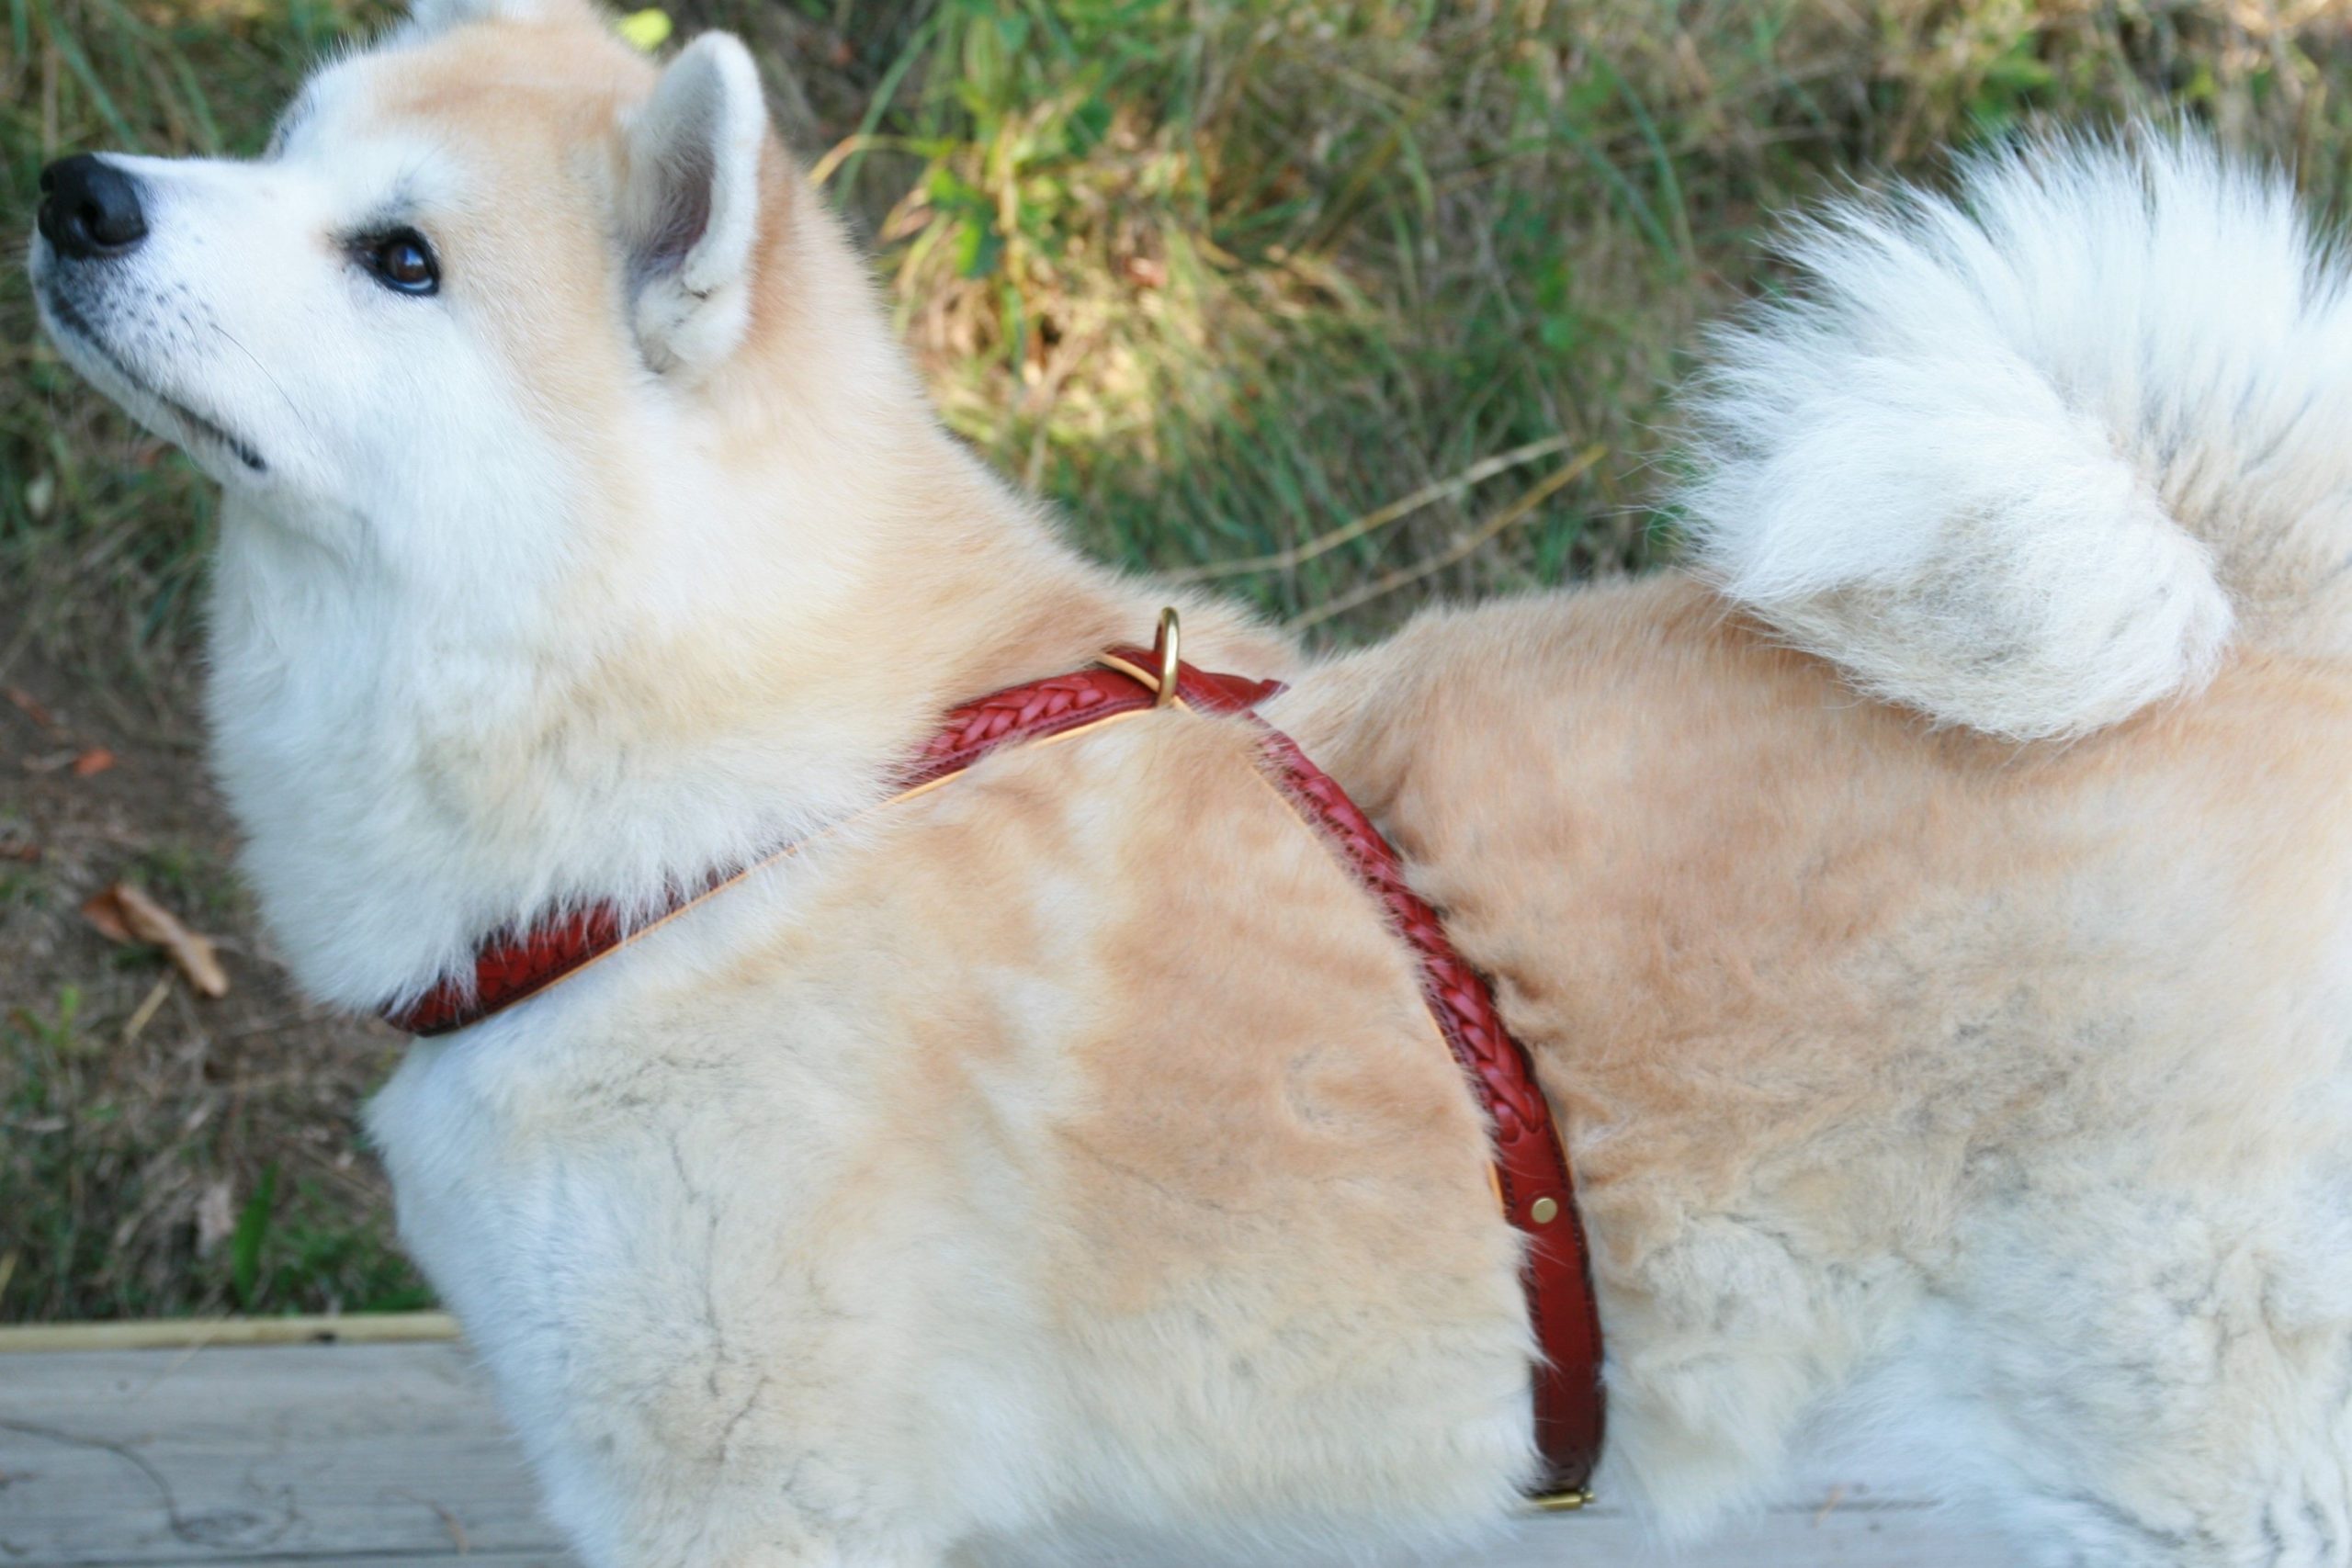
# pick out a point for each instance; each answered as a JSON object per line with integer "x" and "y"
{"x": 391, "y": 1456}
{"x": 551, "y": 1558}
{"x": 177, "y": 1456}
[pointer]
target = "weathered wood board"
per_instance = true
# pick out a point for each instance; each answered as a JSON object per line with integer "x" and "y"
{"x": 391, "y": 1456}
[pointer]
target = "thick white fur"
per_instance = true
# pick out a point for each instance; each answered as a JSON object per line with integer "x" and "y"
{"x": 422, "y": 534}
{"x": 533, "y": 597}
{"x": 2011, "y": 457}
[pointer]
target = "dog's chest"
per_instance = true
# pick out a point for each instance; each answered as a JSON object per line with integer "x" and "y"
{"x": 1096, "y": 1052}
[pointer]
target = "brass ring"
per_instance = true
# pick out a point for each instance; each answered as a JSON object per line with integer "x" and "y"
{"x": 1170, "y": 639}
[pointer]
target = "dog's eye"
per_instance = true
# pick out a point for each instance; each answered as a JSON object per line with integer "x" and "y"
{"x": 403, "y": 262}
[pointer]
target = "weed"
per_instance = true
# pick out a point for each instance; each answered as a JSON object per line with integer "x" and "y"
{"x": 1221, "y": 278}
{"x": 113, "y": 1163}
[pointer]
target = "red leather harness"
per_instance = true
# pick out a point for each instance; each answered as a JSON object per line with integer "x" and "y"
{"x": 1531, "y": 1169}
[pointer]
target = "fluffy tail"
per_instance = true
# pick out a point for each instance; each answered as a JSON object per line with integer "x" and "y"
{"x": 2030, "y": 458}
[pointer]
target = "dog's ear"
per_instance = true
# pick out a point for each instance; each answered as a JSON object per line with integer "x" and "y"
{"x": 690, "y": 206}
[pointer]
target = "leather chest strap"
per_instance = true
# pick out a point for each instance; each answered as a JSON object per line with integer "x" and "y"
{"x": 511, "y": 965}
{"x": 1531, "y": 1169}
{"x": 1530, "y": 1164}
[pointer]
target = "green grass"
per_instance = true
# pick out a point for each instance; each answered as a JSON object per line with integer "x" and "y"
{"x": 92, "y": 1155}
{"x": 1219, "y": 278}
{"x": 111, "y": 1175}
{"x": 1223, "y": 277}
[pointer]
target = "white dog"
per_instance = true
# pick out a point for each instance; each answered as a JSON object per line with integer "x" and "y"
{"x": 1932, "y": 924}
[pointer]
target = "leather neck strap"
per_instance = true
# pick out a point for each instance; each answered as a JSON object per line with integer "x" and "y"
{"x": 1531, "y": 1170}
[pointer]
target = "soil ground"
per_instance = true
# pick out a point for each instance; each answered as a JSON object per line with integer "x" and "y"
{"x": 161, "y": 1151}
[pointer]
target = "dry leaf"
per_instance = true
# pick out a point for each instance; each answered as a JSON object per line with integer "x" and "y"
{"x": 125, "y": 913}
{"x": 20, "y": 849}
{"x": 103, "y": 911}
{"x": 32, "y": 706}
{"x": 150, "y": 921}
{"x": 96, "y": 760}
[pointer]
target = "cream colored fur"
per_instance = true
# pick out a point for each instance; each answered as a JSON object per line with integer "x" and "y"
{"x": 1066, "y": 1154}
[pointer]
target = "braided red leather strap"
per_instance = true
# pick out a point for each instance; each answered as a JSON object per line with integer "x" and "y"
{"x": 1531, "y": 1170}
{"x": 511, "y": 965}
{"x": 1531, "y": 1164}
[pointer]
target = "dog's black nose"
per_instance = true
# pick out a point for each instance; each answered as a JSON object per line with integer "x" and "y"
{"x": 90, "y": 208}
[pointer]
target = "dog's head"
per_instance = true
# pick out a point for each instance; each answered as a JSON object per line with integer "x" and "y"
{"x": 498, "y": 255}
{"x": 584, "y": 526}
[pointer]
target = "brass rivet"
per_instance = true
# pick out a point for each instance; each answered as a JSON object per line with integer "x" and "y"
{"x": 1544, "y": 1211}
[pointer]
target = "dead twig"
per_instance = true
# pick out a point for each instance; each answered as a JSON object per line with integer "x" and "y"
{"x": 1372, "y": 521}
{"x": 1461, "y": 549}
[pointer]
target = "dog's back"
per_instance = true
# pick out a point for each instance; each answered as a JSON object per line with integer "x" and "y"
{"x": 1998, "y": 1086}
{"x": 1937, "y": 926}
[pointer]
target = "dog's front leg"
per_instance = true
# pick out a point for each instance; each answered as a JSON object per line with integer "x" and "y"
{"x": 699, "y": 1375}
{"x": 656, "y": 1514}
{"x": 737, "y": 1417}
{"x": 713, "y": 1542}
